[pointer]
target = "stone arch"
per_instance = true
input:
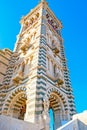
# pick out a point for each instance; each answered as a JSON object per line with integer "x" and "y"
{"x": 58, "y": 103}
{"x": 56, "y": 90}
{"x": 15, "y": 101}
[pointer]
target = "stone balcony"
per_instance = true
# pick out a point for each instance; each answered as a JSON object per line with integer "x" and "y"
{"x": 17, "y": 78}
{"x": 24, "y": 47}
{"x": 55, "y": 48}
{"x": 59, "y": 78}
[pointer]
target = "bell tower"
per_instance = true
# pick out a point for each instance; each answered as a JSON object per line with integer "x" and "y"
{"x": 37, "y": 72}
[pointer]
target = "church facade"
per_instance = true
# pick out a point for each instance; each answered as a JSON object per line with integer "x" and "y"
{"x": 34, "y": 79}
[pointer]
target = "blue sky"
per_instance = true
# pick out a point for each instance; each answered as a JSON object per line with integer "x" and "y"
{"x": 73, "y": 14}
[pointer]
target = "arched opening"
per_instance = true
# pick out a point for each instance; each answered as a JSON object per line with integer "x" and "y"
{"x": 57, "y": 110}
{"x": 17, "y": 107}
{"x": 56, "y": 107}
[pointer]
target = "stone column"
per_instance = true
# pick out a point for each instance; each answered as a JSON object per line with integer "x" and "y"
{"x": 45, "y": 114}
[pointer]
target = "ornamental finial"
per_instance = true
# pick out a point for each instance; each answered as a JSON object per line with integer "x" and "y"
{"x": 43, "y": 0}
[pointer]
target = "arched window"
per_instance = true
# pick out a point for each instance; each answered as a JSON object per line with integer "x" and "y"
{"x": 23, "y": 67}
{"x": 55, "y": 68}
{"x": 52, "y": 42}
{"x": 37, "y": 15}
{"x": 34, "y": 35}
{"x": 32, "y": 20}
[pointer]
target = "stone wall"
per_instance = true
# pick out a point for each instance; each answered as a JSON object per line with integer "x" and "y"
{"x": 71, "y": 125}
{"x": 4, "y": 61}
{"x": 82, "y": 120}
{"x": 9, "y": 123}
{"x": 79, "y": 122}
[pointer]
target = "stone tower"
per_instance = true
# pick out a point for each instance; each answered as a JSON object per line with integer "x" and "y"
{"x": 35, "y": 77}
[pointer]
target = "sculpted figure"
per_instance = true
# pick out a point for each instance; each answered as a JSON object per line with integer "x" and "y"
{"x": 46, "y": 104}
{"x": 45, "y": 113}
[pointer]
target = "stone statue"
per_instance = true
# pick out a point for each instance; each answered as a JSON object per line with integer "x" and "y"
{"x": 43, "y": 0}
{"x": 46, "y": 104}
{"x": 45, "y": 113}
